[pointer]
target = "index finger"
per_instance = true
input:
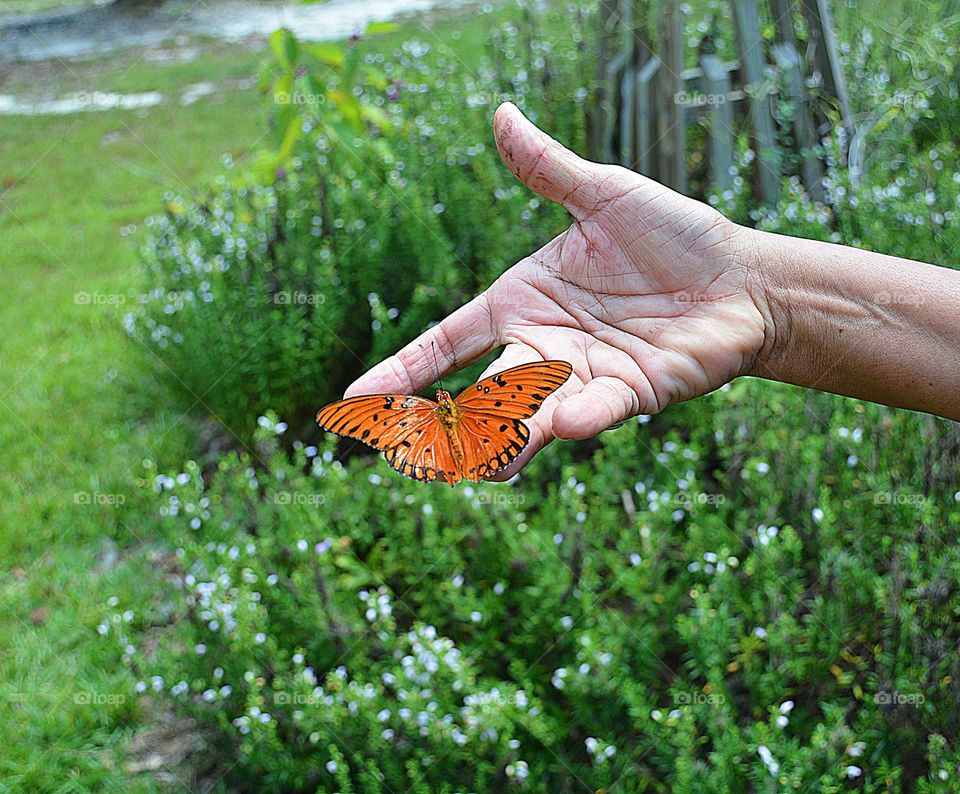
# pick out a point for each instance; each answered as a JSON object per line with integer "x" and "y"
{"x": 459, "y": 339}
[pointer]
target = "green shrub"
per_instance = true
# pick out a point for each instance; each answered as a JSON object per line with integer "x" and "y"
{"x": 752, "y": 592}
{"x": 277, "y": 296}
{"x": 714, "y": 581}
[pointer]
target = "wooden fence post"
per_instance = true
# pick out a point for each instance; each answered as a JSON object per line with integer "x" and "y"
{"x": 646, "y": 81}
{"x": 716, "y": 87}
{"x": 825, "y": 58}
{"x": 788, "y": 59}
{"x": 750, "y": 45}
{"x": 671, "y": 130}
{"x": 602, "y": 109}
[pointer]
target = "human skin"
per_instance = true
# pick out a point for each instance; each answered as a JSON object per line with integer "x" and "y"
{"x": 655, "y": 298}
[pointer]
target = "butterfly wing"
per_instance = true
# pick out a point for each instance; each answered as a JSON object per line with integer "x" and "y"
{"x": 490, "y": 429}
{"x": 516, "y": 393}
{"x": 404, "y": 428}
{"x": 489, "y": 443}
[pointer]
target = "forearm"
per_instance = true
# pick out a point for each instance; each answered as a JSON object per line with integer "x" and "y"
{"x": 857, "y": 323}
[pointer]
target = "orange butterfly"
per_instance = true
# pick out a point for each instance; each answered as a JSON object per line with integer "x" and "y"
{"x": 470, "y": 438}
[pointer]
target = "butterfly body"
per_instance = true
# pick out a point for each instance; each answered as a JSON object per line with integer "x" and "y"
{"x": 471, "y": 437}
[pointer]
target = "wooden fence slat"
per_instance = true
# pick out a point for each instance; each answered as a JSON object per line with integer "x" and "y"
{"x": 602, "y": 106}
{"x": 826, "y": 58}
{"x": 716, "y": 87}
{"x": 671, "y": 131}
{"x": 611, "y": 83}
{"x": 644, "y": 102}
{"x": 788, "y": 60}
{"x": 628, "y": 116}
{"x": 644, "y": 95}
{"x": 746, "y": 17}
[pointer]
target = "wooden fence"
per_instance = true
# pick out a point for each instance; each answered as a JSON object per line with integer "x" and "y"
{"x": 646, "y": 99}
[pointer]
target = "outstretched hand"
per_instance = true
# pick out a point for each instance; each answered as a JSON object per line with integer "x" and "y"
{"x": 647, "y": 295}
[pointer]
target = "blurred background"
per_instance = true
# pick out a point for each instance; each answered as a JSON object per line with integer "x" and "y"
{"x": 215, "y": 215}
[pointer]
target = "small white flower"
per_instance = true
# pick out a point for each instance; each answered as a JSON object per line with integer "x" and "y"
{"x": 567, "y": 622}
{"x": 782, "y": 721}
{"x": 817, "y": 515}
{"x": 853, "y": 771}
{"x": 786, "y": 707}
{"x": 200, "y": 648}
{"x": 302, "y": 545}
{"x": 331, "y": 766}
{"x": 856, "y": 749}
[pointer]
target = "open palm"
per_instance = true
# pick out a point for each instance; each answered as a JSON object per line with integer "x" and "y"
{"x": 647, "y": 295}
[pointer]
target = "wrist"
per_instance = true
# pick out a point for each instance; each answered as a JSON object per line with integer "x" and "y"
{"x": 767, "y": 282}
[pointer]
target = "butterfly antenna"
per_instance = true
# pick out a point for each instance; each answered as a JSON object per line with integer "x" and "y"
{"x": 436, "y": 363}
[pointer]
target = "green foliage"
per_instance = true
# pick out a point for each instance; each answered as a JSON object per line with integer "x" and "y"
{"x": 260, "y": 296}
{"x": 321, "y": 84}
{"x": 751, "y": 592}
{"x": 712, "y": 581}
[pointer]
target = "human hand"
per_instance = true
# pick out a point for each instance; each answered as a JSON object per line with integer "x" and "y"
{"x": 648, "y": 295}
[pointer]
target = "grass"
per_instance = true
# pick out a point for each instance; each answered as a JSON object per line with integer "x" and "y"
{"x": 80, "y": 408}
{"x": 75, "y": 398}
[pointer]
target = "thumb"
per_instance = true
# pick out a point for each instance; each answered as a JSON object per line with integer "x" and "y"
{"x": 544, "y": 165}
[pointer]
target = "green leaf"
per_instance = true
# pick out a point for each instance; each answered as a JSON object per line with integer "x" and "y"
{"x": 330, "y": 54}
{"x": 375, "y": 115}
{"x": 379, "y": 28}
{"x": 349, "y": 108}
{"x": 285, "y": 47}
{"x": 293, "y": 133}
{"x": 376, "y": 76}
